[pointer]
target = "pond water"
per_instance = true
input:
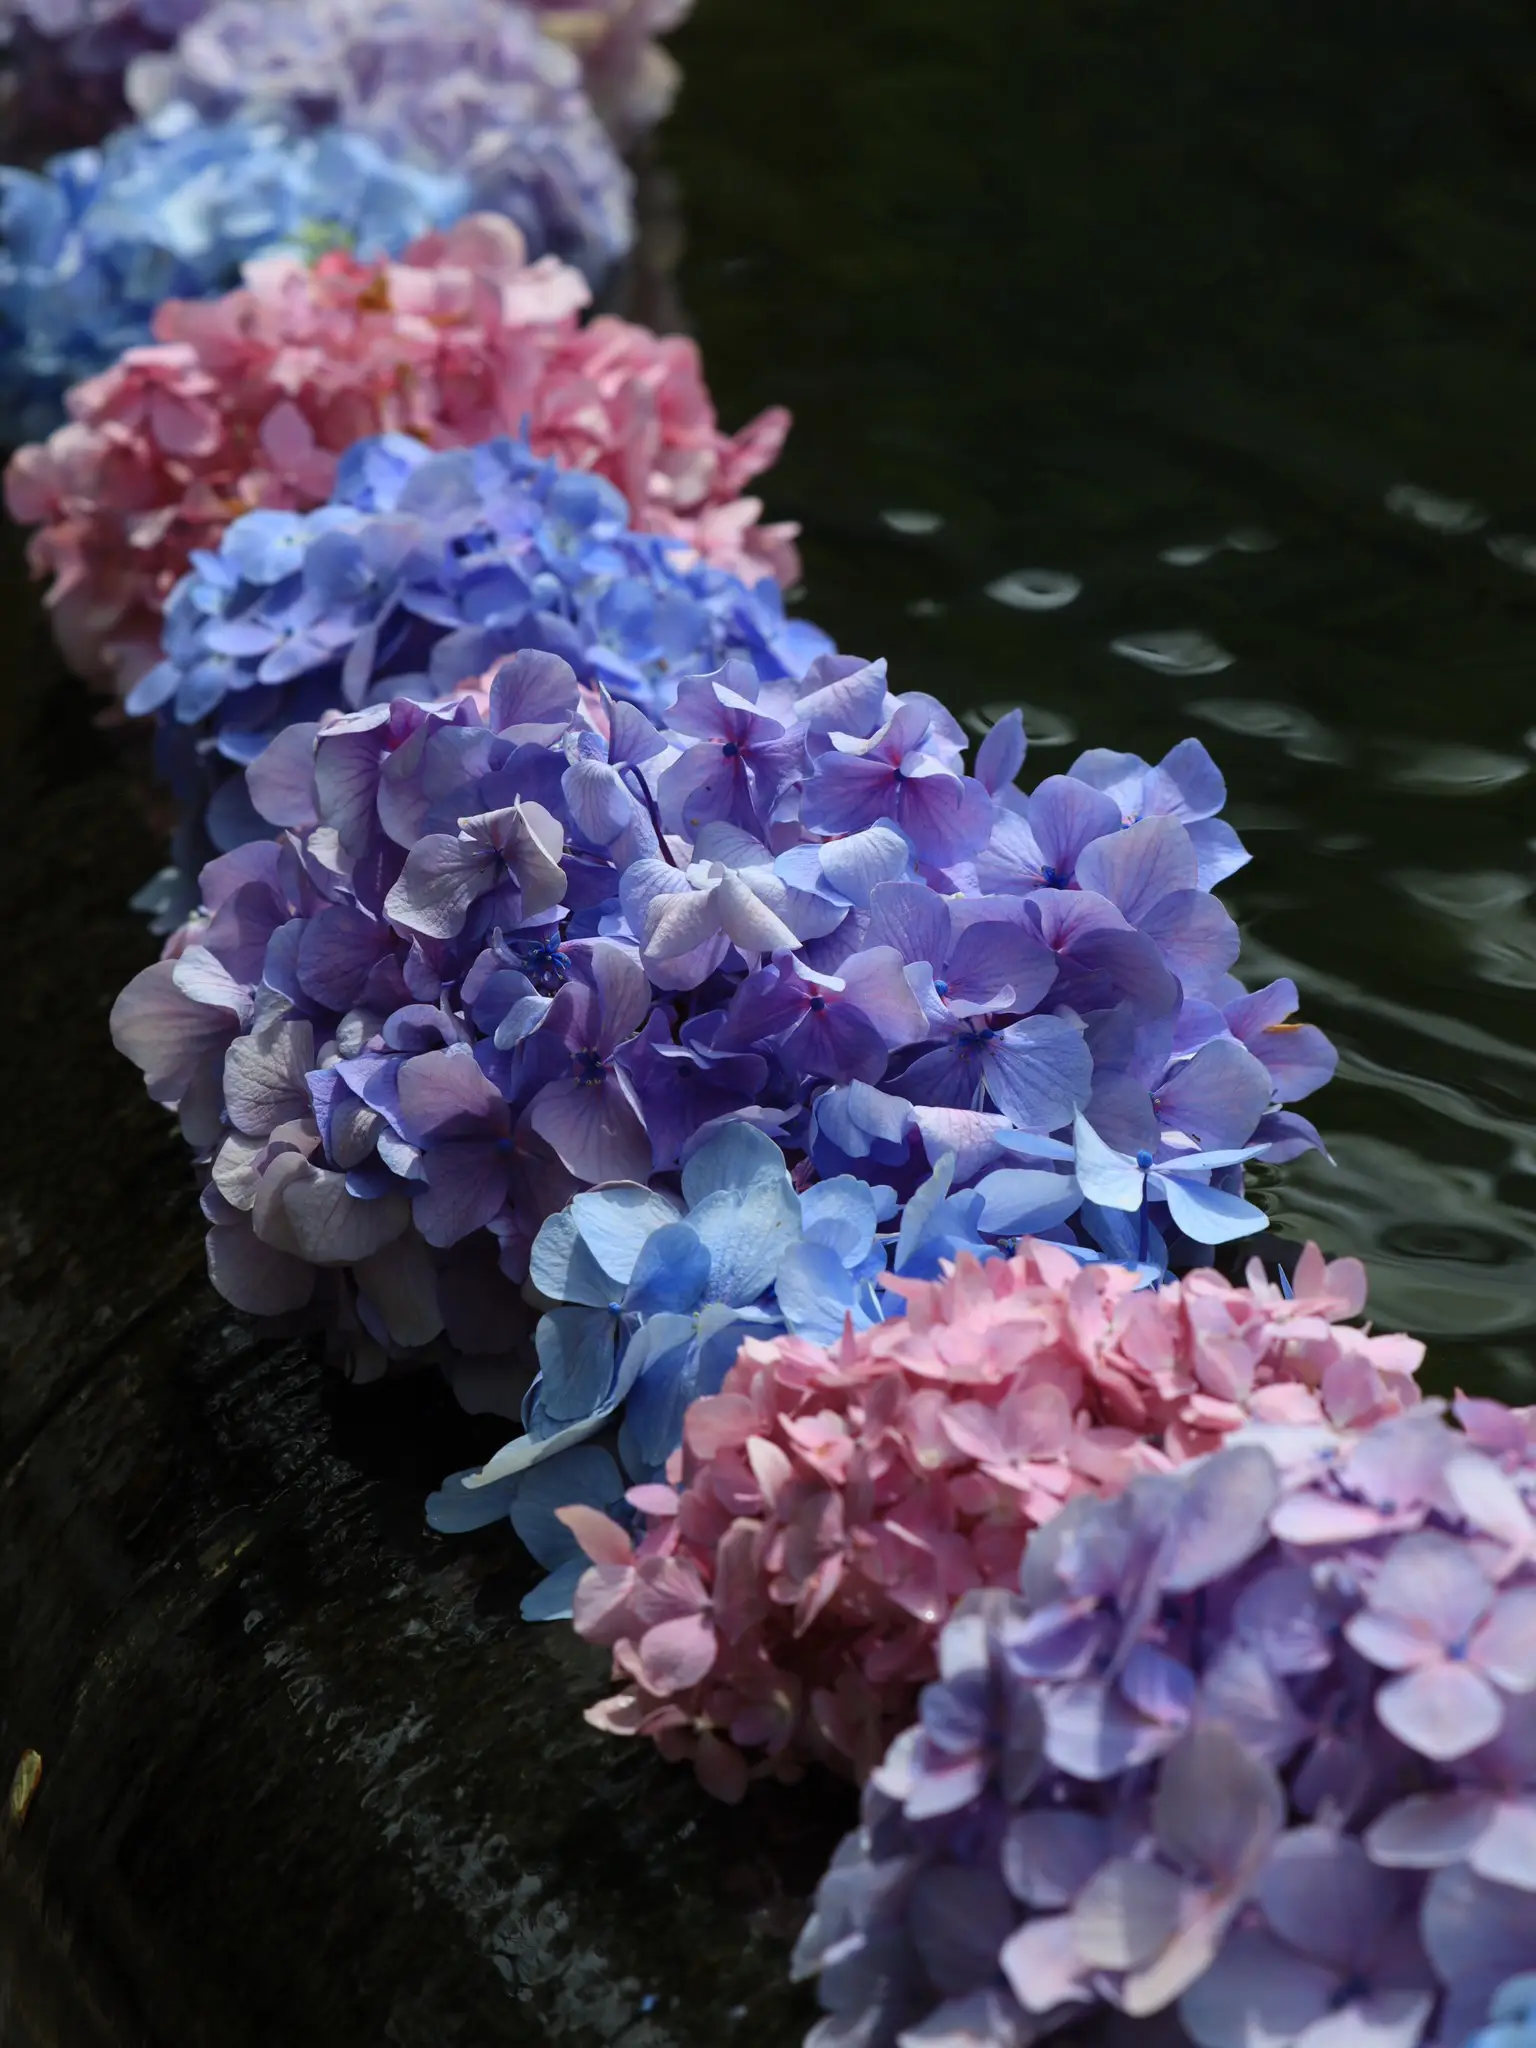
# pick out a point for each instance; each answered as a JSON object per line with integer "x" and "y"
{"x": 1170, "y": 370}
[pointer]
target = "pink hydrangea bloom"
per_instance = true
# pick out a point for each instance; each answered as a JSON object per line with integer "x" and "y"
{"x": 830, "y": 1507}
{"x": 249, "y": 400}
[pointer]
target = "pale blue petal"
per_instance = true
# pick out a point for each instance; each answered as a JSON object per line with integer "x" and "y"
{"x": 1105, "y": 1176}
{"x": 1206, "y": 1214}
{"x": 1018, "y": 1201}
{"x": 815, "y": 1291}
{"x": 734, "y": 1159}
{"x": 614, "y": 1224}
{"x": 670, "y": 1274}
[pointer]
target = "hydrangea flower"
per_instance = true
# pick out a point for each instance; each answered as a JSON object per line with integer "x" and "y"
{"x": 632, "y": 80}
{"x": 96, "y": 240}
{"x": 524, "y": 945}
{"x": 460, "y": 85}
{"x": 833, "y": 1503}
{"x": 1511, "y": 2015}
{"x": 250, "y": 400}
{"x": 1165, "y": 1778}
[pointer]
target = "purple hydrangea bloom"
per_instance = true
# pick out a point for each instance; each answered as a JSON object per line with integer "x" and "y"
{"x": 460, "y": 85}
{"x": 1181, "y": 1773}
{"x": 524, "y": 955}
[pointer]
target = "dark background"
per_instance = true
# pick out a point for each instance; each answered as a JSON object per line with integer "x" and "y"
{"x": 1084, "y": 281}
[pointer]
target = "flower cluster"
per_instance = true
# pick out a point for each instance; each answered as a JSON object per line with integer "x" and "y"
{"x": 468, "y": 86}
{"x": 523, "y": 942}
{"x": 97, "y": 240}
{"x": 250, "y": 400}
{"x": 1257, "y": 1742}
{"x": 830, "y": 1506}
{"x": 417, "y": 574}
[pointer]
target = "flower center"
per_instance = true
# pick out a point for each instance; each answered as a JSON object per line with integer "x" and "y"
{"x": 1143, "y": 1160}
{"x": 818, "y": 1003}
{"x": 941, "y": 988}
{"x": 730, "y": 750}
{"x": 589, "y": 1067}
{"x": 1053, "y": 878}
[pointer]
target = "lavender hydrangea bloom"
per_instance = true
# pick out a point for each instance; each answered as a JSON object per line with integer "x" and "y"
{"x": 98, "y": 239}
{"x": 1179, "y": 1773}
{"x": 447, "y": 84}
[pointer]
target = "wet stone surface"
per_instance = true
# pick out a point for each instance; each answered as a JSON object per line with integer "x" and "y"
{"x": 306, "y": 1777}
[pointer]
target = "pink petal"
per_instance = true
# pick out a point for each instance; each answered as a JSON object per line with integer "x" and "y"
{"x": 677, "y": 1654}
{"x": 601, "y": 1539}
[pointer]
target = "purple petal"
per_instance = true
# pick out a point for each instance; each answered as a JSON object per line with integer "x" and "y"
{"x": 1217, "y": 1807}
{"x": 875, "y": 985}
{"x": 1216, "y": 1097}
{"x": 1048, "y": 1857}
{"x": 1196, "y": 937}
{"x": 594, "y": 1130}
{"x": 1322, "y": 1894}
{"x": 947, "y": 817}
{"x": 253, "y": 1276}
{"x": 281, "y": 781}
{"x": 991, "y": 955}
{"x": 466, "y": 1185}
{"x": 1256, "y": 1994}
{"x": 1429, "y": 1830}
{"x": 1039, "y": 1071}
{"x": 446, "y": 1095}
{"x": 1442, "y": 1710}
{"x": 910, "y": 918}
{"x": 1127, "y": 1913}
{"x": 1066, "y": 816}
{"x": 443, "y": 876}
{"x": 1001, "y": 753}
{"x": 1138, "y": 867}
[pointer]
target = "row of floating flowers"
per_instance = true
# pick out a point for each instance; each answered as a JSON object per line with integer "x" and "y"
{"x": 583, "y": 979}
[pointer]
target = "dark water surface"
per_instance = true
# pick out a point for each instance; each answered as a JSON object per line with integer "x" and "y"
{"x": 1053, "y": 285}
{"x": 1091, "y": 283}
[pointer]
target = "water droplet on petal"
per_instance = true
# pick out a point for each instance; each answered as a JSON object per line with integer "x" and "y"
{"x": 1252, "y": 540}
{"x": 1428, "y": 508}
{"x": 912, "y": 522}
{"x": 1035, "y": 590}
{"x": 1182, "y": 653}
{"x": 1192, "y": 556}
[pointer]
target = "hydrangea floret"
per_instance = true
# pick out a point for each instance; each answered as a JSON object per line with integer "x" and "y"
{"x": 64, "y": 65}
{"x": 833, "y": 1503}
{"x": 526, "y": 942}
{"x": 98, "y": 239}
{"x": 250, "y": 400}
{"x": 1255, "y": 1745}
{"x": 468, "y": 86}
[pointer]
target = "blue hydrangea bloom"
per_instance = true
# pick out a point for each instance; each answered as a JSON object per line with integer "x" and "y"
{"x": 100, "y": 238}
{"x": 419, "y": 573}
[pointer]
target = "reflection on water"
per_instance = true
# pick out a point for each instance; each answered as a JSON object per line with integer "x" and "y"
{"x": 1230, "y": 310}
